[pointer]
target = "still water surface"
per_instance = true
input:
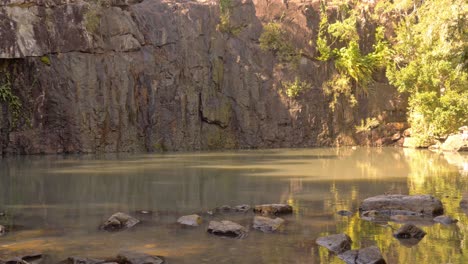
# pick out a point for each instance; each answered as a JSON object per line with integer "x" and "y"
{"x": 54, "y": 204}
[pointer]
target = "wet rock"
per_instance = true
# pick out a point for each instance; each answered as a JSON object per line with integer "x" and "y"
{"x": 227, "y": 228}
{"x": 274, "y": 209}
{"x": 144, "y": 212}
{"x": 397, "y": 203}
{"x": 266, "y": 224}
{"x": 28, "y": 259}
{"x": 336, "y": 243}
{"x": 409, "y": 235}
{"x": 138, "y": 258}
{"x": 82, "y": 260}
{"x": 242, "y": 208}
{"x": 190, "y": 220}
{"x": 368, "y": 255}
{"x": 446, "y": 220}
{"x": 119, "y": 221}
{"x": 2, "y": 230}
{"x": 344, "y": 213}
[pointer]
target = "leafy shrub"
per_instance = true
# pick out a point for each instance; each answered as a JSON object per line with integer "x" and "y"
{"x": 274, "y": 39}
{"x": 367, "y": 125}
{"x": 294, "y": 88}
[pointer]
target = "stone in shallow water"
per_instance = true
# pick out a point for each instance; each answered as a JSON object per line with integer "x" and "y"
{"x": 266, "y": 224}
{"x": 227, "y": 228}
{"x": 274, "y": 209}
{"x": 81, "y": 260}
{"x": 242, "y": 208}
{"x": 419, "y": 204}
{"x": 119, "y": 221}
{"x": 336, "y": 243}
{"x": 344, "y": 213}
{"x": 28, "y": 259}
{"x": 446, "y": 220}
{"x": 409, "y": 235}
{"x": 2, "y": 230}
{"x": 368, "y": 255}
{"x": 138, "y": 258}
{"x": 190, "y": 220}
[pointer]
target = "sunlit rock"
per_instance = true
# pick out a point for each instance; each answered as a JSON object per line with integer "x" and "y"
{"x": 368, "y": 255}
{"x": 454, "y": 143}
{"x": 190, "y": 220}
{"x": 227, "y": 228}
{"x": 119, "y": 221}
{"x": 266, "y": 224}
{"x": 336, "y": 243}
{"x": 446, "y": 220}
{"x": 242, "y": 208}
{"x": 274, "y": 209}
{"x": 419, "y": 204}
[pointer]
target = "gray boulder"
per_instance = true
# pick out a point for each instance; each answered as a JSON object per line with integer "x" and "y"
{"x": 266, "y": 224}
{"x": 27, "y": 259}
{"x": 336, "y": 243}
{"x": 227, "y": 228}
{"x": 273, "y": 209}
{"x": 419, "y": 204}
{"x": 119, "y": 221}
{"x": 190, "y": 220}
{"x": 446, "y": 220}
{"x": 368, "y": 255}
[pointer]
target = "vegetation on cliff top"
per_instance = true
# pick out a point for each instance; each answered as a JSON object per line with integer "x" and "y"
{"x": 424, "y": 54}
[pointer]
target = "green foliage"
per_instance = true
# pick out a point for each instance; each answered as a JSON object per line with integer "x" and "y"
{"x": 274, "y": 39}
{"x": 294, "y": 88}
{"x": 354, "y": 69}
{"x": 46, "y": 60}
{"x": 225, "y": 24}
{"x": 13, "y": 102}
{"x": 367, "y": 125}
{"x": 430, "y": 63}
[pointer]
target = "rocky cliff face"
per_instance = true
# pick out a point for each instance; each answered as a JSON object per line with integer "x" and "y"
{"x": 152, "y": 75}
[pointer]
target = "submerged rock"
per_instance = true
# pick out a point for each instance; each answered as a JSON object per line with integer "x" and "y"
{"x": 81, "y": 260}
{"x": 409, "y": 235}
{"x": 368, "y": 255}
{"x": 27, "y": 259}
{"x": 266, "y": 224}
{"x": 138, "y": 258}
{"x": 344, "y": 213}
{"x": 119, "y": 221}
{"x": 274, "y": 209}
{"x": 190, "y": 220}
{"x": 403, "y": 204}
{"x": 336, "y": 243}
{"x": 446, "y": 220}
{"x": 242, "y": 208}
{"x": 227, "y": 228}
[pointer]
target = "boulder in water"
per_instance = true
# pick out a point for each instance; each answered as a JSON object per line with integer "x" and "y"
{"x": 227, "y": 228}
{"x": 336, "y": 243}
{"x": 368, "y": 255}
{"x": 273, "y": 209}
{"x": 119, "y": 221}
{"x": 266, "y": 224}
{"x": 419, "y": 204}
{"x": 138, "y": 258}
{"x": 446, "y": 220}
{"x": 190, "y": 220}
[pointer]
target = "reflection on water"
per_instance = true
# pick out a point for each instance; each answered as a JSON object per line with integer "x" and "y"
{"x": 54, "y": 204}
